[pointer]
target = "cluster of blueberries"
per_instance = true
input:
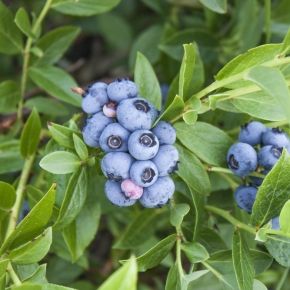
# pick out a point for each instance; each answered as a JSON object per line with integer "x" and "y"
{"x": 258, "y": 149}
{"x": 138, "y": 158}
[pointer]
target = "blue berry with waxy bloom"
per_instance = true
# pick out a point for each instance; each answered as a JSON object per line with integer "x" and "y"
{"x": 276, "y": 137}
{"x": 94, "y": 127}
{"x": 242, "y": 159}
{"x": 135, "y": 114}
{"x": 143, "y": 173}
{"x": 143, "y": 144}
{"x": 166, "y": 159}
{"x": 114, "y": 138}
{"x": 251, "y": 133}
{"x": 116, "y": 196}
{"x": 116, "y": 165}
{"x": 275, "y": 223}
{"x": 245, "y": 197}
{"x": 159, "y": 193}
{"x": 165, "y": 133}
{"x": 94, "y": 98}
{"x": 122, "y": 89}
{"x": 269, "y": 155}
{"x": 257, "y": 181}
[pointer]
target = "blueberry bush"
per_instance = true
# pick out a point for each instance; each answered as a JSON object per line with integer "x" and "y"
{"x": 144, "y": 144}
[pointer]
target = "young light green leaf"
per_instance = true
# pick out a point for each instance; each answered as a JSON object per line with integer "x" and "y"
{"x": 186, "y": 72}
{"x": 286, "y": 43}
{"x": 177, "y": 213}
{"x": 74, "y": 198}
{"x": 209, "y": 143}
{"x": 23, "y": 22}
{"x": 84, "y": 7}
{"x": 174, "y": 279}
{"x": 33, "y": 251}
{"x": 9, "y": 96}
{"x": 123, "y": 279}
{"x": 10, "y": 36}
{"x": 272, "y": 81}
{"x": 60, "y": 162}
{"x": 285, "y": 217}
{"x": 187, "y": 279}
{"x": 39, "y": 286}
{"x": 7, "y": 195}
{"x": 56, "y": 82}
{"x": 243, "y": 264}
{"x": 80, "y": 147}
{"x": 3, "y": 270}
{"x": 154, "y": 256}
{"x": 273, "y": 193}
{"x": 30, "y": 135}
{"x": 33, "y": 224}
{"x": 218, "y": 6}
{"x": 147, "y": 81}
{"x": 38, "y": 276}
{"x": 55, "y": 43}
{"x": 189, "y": 117}
{"x": 195, "y": 252}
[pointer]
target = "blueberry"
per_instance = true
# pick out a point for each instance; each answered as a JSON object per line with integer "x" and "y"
{"x": 276, "y": 137}
{"x": 134, "y": 114}
{"x": 166, "y": 159}
{"x": 242, "y": 159}
{"x": 114, "y": 138}
{"x": 245, "y": 197}
{"x": 143, "y": 173}
{"x": 257, "y": 181}
{"x": 110, "y": 109}
{"x": 269, "y": 155}
{"x": 122, "y": 89}
{"x": 165, "y": 133}
{"x": 95, "y": 98}
{"x": 25, "y": 209}
{"x": 94, "y": 127}
{"x": 275, "y": 223}
{"x": 115, "y": 194}
{"x": 159, "y": 193}
{"x": 116, "y": 165}
{"x": 131, "y": 189}
{"x": 251, "y": 133}
{"x": 143, "y": 144}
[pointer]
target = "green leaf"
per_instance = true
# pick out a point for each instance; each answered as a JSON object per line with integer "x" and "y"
{"x": 33, "y": 251}
{"x": 30, "y": 134}
{"x": 242, "y": 261}
{"x": 55, "y": 43}
{"x": 9, "y": 96}
{"x": 123, "y": 279}
{"x": 74, "y": 198}
{"x": 209, "y": 143}
{"x": 56, "y": 82}
{"x": 285, "y": 217}
{"x": 47, "y": 106}
{"x": 273, "y": 193}
{"x": 37, "y": 286}
{"x": 33, "y": 224}
{"x": 81, "y": 232}
{"x": 10, "y": 36}
{"x": 154, "y": 256}
{"x": 3, "y": 269}
{"x": 192, "y": 171}
{"x": 279, "y": 248}
{"x": 189, "y": 117}
{"x": 80, "y": 147}
{"x": 195, "y": 252}
{"x": 286, "y": 43}
{"x": 137, "y": 231}
{"x": 38, "y": 276}
{"x": 84, "y": 7}
{"x": 174, "y": 279}
{"x": 218, "y": 6}
{"x": 7, "y": 195}
{"x": 62, "y": 135}
{"x": 177, "y": 213}
{"x": 23, "y": 22}
{"x": 60, "y": 162}
{"x": 272, "y": 81}
{"x": 186, "y": 71}
{"x": 147, "y": 81}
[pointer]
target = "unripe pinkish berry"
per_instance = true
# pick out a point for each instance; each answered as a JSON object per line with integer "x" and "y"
{"x": 131, "y": 190}
{"x": 109, "y": 109}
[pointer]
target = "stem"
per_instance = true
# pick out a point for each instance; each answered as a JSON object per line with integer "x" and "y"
{"x": 227, "y": 216}
{"x": 268, "y": 20}
{"x": 283, "y": 279}
{"x": 26, "y": 57}
{"x": 19, "y": 195}
{"x": 228, "y": 171}
{"x": 13, "y": 275}
{"x": 178, "y": 256}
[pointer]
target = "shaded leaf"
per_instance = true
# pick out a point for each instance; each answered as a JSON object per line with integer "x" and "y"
{"x": 7, "y": 195}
